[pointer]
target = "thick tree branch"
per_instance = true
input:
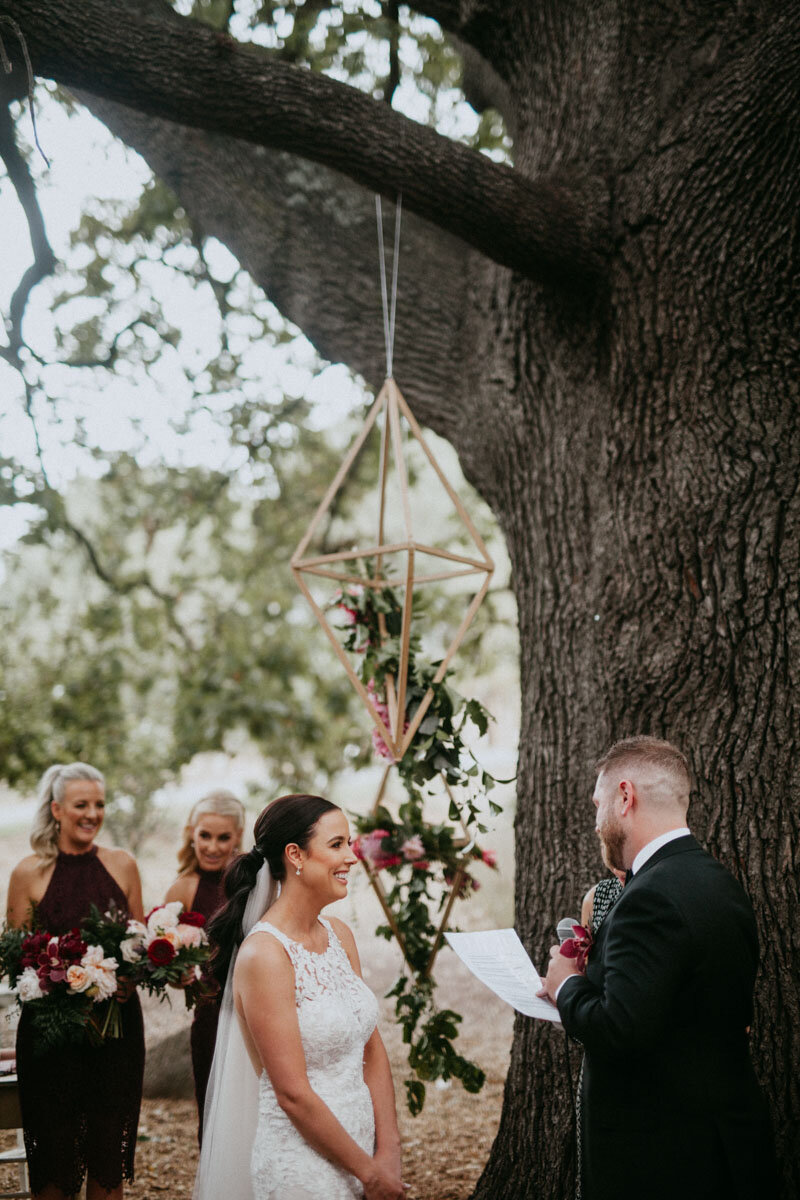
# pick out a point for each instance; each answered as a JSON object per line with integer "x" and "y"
{"x": 44, "y": 260}
{"x": 308, "y": 237}
{"x": 487, "y": 25}
{"x": 483, "y": 87}
{"x": 553, "y": 230}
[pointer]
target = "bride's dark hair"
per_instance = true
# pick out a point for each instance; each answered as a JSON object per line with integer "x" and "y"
{"x": 289, "y": 819}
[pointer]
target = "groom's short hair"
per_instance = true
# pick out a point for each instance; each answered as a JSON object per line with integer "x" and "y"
{"x": 649, "y": 752}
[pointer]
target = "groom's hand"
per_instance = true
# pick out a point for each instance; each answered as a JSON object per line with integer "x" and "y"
{"x": 559, "y": 968}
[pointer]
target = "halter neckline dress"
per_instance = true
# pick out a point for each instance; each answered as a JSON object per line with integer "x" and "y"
{"x": 80, "y": 1104}
{"x": 337, "y": 1014}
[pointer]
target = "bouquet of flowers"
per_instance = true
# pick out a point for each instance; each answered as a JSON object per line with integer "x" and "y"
{"x": 168, "y": 949}
{"x": 62, "y": 981}
{"x": 73, "y": 984}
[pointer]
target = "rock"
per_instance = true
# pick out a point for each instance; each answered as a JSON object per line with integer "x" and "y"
{"x": 168, "y": 1067}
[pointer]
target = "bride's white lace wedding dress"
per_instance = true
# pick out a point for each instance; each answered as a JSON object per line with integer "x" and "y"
{"x": 337, "y": 1014}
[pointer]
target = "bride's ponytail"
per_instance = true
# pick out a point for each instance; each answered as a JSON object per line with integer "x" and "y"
{"x": 291, "y": 819}
{"x": 225, "y": 927}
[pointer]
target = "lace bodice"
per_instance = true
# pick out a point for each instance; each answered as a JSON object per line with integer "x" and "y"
{"x": 337, "y": 1014}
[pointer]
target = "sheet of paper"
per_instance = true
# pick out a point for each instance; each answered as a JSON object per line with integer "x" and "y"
{"x": 498, "y": 958}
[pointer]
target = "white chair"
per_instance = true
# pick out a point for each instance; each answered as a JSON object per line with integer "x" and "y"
{"x": 11, "y": 1118}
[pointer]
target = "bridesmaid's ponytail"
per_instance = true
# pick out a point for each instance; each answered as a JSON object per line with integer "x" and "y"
{"x": 291, "y": 819}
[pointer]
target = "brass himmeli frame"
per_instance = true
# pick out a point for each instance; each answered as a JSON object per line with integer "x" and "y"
{"x": 391, "y": 403}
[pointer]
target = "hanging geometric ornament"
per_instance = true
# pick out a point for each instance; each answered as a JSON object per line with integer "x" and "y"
{"x": 401, "y": 563}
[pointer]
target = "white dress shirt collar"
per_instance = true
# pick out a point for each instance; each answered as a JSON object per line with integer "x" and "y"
{"x": 649, "y": 850}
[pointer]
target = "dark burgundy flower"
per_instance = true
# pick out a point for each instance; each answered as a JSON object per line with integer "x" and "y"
{"x": 72, "y": 947}
{"x": 578, "y": 946}
{"x": 160, "y": 952}
{"x": 189, "y": 917}
{"x": 34, "y": 948}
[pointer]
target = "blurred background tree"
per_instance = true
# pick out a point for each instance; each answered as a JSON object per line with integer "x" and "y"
{"x": 148, "y": 613}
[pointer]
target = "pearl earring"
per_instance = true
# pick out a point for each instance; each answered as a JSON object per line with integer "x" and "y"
{"x": 297, "y": 872}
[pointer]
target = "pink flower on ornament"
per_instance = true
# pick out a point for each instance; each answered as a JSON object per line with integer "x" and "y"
{"x": 412, "y": 848}
{"x": 380, "y": 747}
{"x": 382, "y": 712}
{"x": 351, "y": 615}
{"x": 369, "y": 847}
{"x": 489, "y": 857}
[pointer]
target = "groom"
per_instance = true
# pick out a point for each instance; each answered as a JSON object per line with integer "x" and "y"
{"x": 671, "y": 1108}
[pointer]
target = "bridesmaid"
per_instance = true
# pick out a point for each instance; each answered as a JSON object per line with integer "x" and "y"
{"x": 80, "y": 1105}
{"x": 211, "y": 837}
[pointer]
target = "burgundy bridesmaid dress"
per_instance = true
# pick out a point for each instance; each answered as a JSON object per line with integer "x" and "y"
{"x": 207, "y": 899}
{"x": 80, "y": 1104}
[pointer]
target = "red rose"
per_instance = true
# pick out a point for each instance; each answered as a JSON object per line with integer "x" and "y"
{"x": 160, "y": 952}
{"x": 72, "y": 947}
{"x": 189, "y": 917}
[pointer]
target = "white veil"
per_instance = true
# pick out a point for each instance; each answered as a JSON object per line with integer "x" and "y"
{"x": 231, "y": 1107}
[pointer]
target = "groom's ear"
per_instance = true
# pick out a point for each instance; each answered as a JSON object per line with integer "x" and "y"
{"x": 629, "y": 801}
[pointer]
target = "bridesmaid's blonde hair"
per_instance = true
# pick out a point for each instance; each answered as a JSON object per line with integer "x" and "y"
{"x": 52, "y": 785}
{"x": 222, "y": 804}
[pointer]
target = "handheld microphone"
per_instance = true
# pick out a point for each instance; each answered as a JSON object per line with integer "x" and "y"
{"x": 564, "y": 929}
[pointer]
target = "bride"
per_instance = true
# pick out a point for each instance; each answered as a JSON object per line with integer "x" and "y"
{"x": 300, "y": 1086}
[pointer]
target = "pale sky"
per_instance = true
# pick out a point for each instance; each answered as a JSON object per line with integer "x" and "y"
{"x": 136, "y": 410}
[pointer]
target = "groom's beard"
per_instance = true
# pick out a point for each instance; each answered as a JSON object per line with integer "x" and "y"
{"x": 612, "y": 839}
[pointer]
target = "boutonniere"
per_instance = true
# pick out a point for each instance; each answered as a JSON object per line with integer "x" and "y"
{"x": 578, "y": 946}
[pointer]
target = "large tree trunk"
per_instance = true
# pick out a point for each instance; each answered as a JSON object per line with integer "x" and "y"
{"x": 638, "y": 438}
{"x": 644, "y": 467}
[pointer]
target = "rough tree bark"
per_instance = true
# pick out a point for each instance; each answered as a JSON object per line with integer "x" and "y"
{"x": 638, "y": 438}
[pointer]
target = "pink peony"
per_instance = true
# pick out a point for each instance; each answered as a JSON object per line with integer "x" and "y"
{"x": 369, "y": 847}
{"x": 189, "y": 935}
{"x": 412, "y": 848}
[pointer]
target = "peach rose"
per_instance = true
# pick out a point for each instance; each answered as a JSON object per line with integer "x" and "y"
{"x": 78, "y": 978}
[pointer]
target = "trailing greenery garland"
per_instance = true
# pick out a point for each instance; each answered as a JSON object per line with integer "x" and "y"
{"x": 422, "y": 862}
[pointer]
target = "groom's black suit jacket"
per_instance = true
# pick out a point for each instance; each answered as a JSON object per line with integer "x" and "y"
{"x": 670, "y": 1103}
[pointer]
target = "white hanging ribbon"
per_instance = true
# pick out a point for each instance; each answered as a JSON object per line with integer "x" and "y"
{"x": 389, "y": 310}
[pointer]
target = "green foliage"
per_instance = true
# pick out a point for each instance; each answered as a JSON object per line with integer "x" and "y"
{"x": 10, "y": 953}
{"x": 193, "y": 633}
{"x": 58, "y": 1025}
{"x": 438, "y": 749}
{"x": 424, "y": 862}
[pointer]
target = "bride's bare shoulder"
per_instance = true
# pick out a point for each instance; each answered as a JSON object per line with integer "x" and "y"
{"x": 261, "y": 951}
